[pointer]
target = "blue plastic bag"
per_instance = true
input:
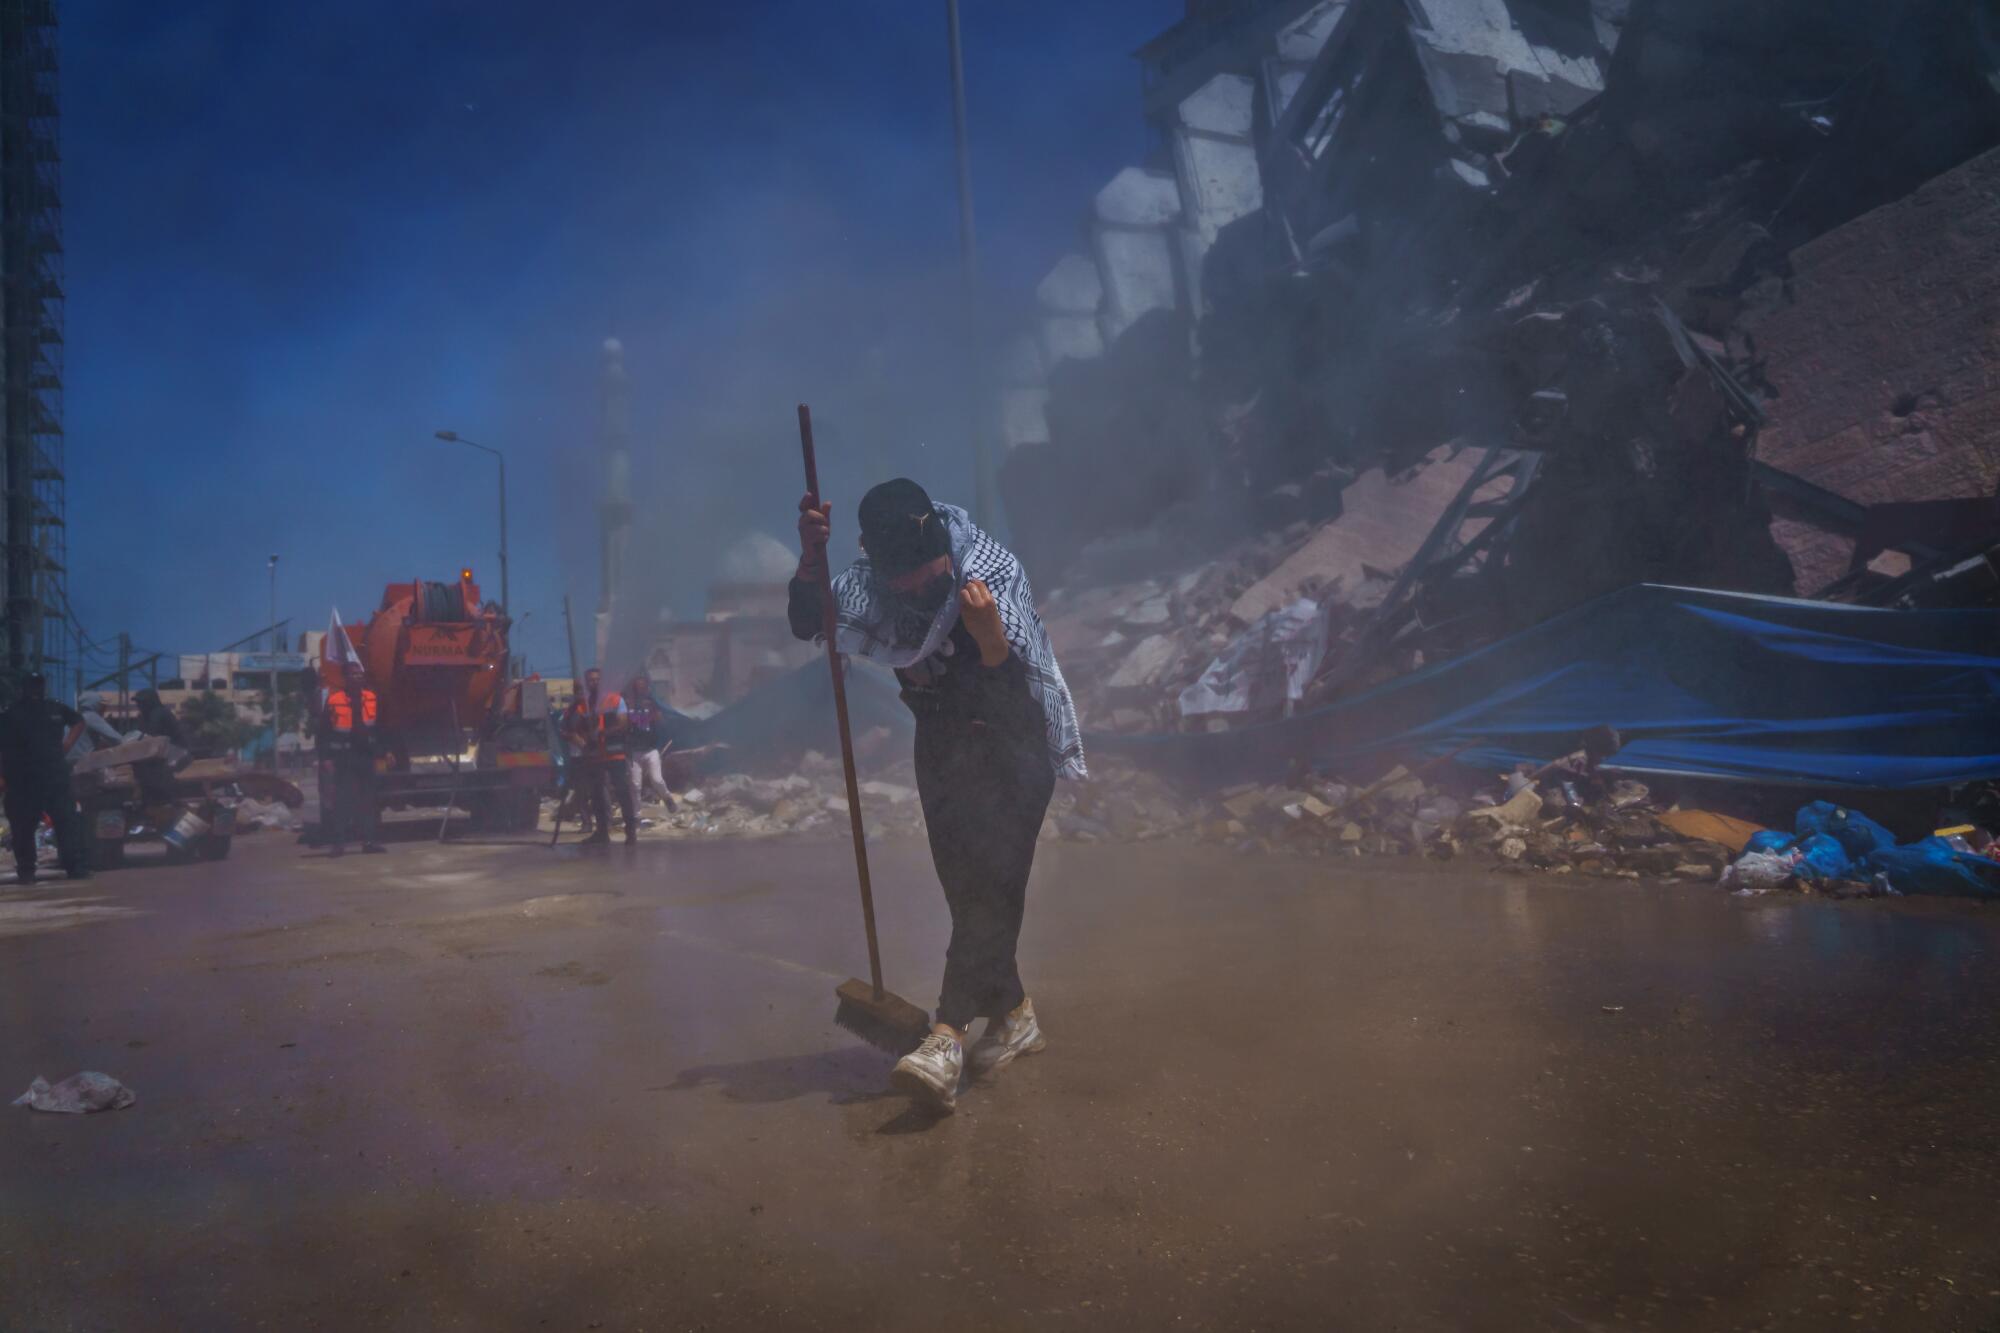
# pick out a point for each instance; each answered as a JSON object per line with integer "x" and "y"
{"x": 1857, "y": 834}
{"x": 1769, "y": 840}
{"x": 1935, "y": 866}
{"x": 1821, "y": 857}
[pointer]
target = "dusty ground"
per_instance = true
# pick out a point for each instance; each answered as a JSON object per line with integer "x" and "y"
{"x": 497, "y": 1087}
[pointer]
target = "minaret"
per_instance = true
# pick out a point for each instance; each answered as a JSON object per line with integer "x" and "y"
{"x": 616, "y": 511}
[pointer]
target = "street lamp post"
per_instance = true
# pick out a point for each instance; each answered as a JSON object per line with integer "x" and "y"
{"x": 276, "y": 712}
{"x": 968, "y": 255}
{"x": 453, "y": 437}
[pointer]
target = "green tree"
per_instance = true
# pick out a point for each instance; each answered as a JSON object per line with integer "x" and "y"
{"x": 214, "y": 727}
{"x": 293, "y": 708}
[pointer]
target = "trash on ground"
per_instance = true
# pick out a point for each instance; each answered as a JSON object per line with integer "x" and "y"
{"x": 1842, "y": 851}
{"x": 78, "y": 1094}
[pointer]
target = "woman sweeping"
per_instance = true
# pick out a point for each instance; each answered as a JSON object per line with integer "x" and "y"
{"x": 951, "y": 611}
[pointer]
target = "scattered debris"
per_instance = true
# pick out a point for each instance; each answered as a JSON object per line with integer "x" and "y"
{"x": 1510, "y": 822}
{"x": 1843, "y": 853}
{"x": 1706, "y": 826}
{"x": 252, "y": 815}
{"x": 78, "y": 1094}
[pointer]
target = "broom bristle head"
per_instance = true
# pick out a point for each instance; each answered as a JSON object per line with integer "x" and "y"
{"x": 890, "y": 1023}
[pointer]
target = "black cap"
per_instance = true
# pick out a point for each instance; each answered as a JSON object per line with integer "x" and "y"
{"x": 900, "y": 528}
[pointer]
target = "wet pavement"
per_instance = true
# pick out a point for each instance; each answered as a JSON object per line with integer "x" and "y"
{"x": 497, "y": 1087}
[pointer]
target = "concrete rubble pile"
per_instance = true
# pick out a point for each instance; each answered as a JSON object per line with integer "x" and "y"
{"x": 1620, "y": 833}
{"x": 1244, "y": 635}
{"x": 810, "y": 799}
{"x": 1446, "y": 317}
{"x": 1619, "y": 245}
{"x": 1129, "y": 650}
{"x": 1565, "y": 818}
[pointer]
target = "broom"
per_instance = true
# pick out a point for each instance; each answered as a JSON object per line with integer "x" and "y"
{"x": 879, "y": 1017}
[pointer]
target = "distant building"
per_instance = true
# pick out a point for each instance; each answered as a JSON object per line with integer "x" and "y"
{"x": 240, "y": 679}
{"x": 744, "y": 637}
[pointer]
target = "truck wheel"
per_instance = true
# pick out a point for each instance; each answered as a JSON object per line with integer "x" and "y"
{"x": 105, "y": 854}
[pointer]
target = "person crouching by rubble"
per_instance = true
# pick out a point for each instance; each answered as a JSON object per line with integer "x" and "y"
{"x": 36, "y": 735}
{"x": 345, "y": 738}
{"x": 951, "y": 611}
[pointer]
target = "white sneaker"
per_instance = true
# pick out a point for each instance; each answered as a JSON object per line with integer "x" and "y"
{"x": 1017, "y": 1034}
{"x": 931, "y": 1071}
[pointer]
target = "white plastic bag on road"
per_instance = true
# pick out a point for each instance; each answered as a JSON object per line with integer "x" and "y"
{"x": 77, "y": 1095}
{"x": 1761, "y": 872}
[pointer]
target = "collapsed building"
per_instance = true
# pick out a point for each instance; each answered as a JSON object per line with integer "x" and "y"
{"x": 1436, "y": 318}
{"x": 1448, "y": 334}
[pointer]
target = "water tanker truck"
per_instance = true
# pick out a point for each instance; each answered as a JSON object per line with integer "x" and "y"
{"x": 452, "y": 727}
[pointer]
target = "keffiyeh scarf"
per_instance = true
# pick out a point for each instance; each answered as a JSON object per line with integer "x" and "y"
{"x": 877, "y": 624}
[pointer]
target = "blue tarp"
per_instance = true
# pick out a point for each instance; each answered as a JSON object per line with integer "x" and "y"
{"x": 1709, "y": 684}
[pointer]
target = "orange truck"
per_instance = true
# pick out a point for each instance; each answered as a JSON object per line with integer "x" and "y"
{"x": 453, "y": 726}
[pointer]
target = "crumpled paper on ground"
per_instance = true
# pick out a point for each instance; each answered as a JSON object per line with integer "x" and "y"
{"x": 78, "y": 1094}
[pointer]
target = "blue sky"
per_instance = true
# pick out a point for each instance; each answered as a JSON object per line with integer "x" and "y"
{"x": 300, "y": 238}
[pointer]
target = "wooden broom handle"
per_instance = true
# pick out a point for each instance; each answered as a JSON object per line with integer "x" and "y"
{"x": 829, "y": 619}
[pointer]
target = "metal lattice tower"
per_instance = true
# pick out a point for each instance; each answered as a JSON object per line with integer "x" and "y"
{"x": 34, "y": 630}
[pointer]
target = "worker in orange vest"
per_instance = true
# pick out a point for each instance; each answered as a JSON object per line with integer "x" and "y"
{"x": 595, "y": 727}
{"x": 346, "y": 740}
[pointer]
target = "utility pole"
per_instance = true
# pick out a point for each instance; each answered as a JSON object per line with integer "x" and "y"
{"x": 982, "y": 503}
{"x": 124, "y": 669}
{"x": 453, "y": 437}
{"x": 275, "y": 649}
{"x": 569, "y": 631}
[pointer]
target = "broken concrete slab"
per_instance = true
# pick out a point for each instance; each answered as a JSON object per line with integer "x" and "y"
{"x": 1072, "y": 287}
{"x": 1140, "y": 275}
{"x": 1146, "y": 663}
{"x": 1069, "y": 297}
{"x": 1383, "y": 523}
{"x": 1136, "y": 197}
{"x": 1518, "y": 810}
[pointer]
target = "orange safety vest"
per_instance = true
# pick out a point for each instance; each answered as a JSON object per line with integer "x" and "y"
{"x": 341, "y": 707}
{"x": 583, "y": 718}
